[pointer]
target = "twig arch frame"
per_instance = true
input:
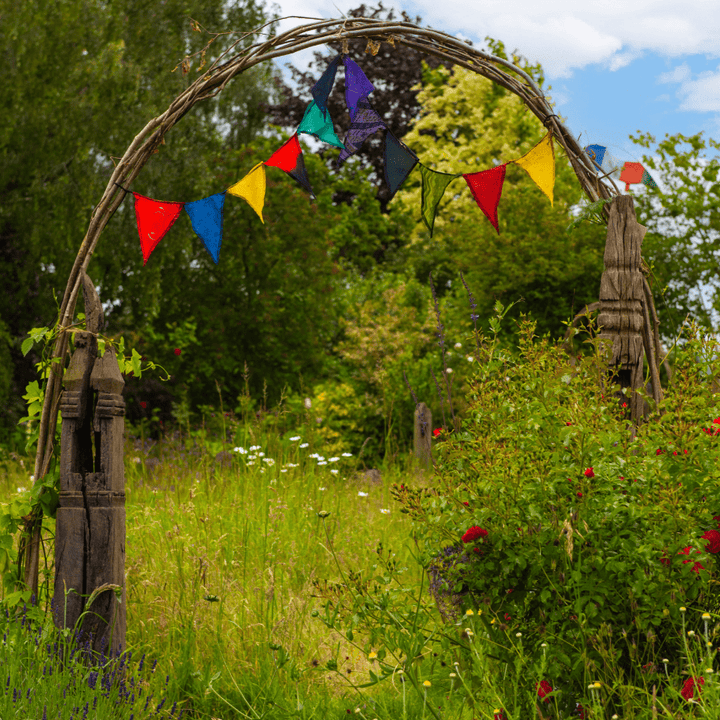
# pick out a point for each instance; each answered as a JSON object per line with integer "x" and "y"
{"x": 214, "y": 80}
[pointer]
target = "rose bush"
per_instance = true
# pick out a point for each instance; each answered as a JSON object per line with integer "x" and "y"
{"x": 591, "y": 539}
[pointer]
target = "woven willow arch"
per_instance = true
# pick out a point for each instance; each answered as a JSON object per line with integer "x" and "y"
{"x": 212, "y": 82}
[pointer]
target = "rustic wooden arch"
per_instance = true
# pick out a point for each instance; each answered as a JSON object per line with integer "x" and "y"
{"x": 231, "y": 63}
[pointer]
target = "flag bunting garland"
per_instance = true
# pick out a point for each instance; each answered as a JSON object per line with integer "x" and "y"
{"x": 155, "y": 217}
{"x": 631, "y": 173}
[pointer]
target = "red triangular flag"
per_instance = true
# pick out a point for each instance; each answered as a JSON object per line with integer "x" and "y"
{"x": 486, "y": 187}
{"x": 632, "y": 173}
{"x": 289, "y": 158}
{"x": 154, "y": 219}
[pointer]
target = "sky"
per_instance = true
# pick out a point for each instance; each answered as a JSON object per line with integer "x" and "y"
{"x": 614, "y": 67}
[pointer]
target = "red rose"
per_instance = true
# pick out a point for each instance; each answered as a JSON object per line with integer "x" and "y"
{"x": 713, "y": 545}
{"x": 688, "y": 689}
{"x": 466, "y": 503}
{"x": 659, "y": 451}
{"x": 474, "y": 533}
{"x": 544, "y": 688}
{"x": 579, "y": 494}
{"x": 589, "y": 473}
{"x": 697, "y": 567}
{"x": 143, "y": 404}
{"x": 178, "y": 351}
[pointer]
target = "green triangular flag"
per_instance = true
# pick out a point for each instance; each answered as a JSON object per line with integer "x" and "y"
{"x": 319, "y": 125}
{"x": 434, "y": 185}
{"x": 647, "y": 180}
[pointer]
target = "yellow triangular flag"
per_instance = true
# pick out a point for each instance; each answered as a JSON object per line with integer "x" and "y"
{"x": 539, "y": 164}
{"x": 252, "y": 189}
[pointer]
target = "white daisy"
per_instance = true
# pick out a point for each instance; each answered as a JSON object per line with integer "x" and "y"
{"x": 295, "y": 438}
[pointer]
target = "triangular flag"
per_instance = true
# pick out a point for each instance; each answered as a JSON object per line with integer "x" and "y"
{"x": 632, "y": 173}
{"x": 154, "y": 219}
{"x": 206, "y": 217}
{"x": 596, "y": 153}
{"x": 323, "y": 87}
{"x": 319, "y": 125}
{"x": 486, "y": 187}
{"x": 399, "y": 162}
{"x": 365, "y": 123}
{"x": 252, "y": 189}
{"x": 290, "y": 159}
{"x": 357, "y": 86}
{"x": 434, "y": 185}
{"x": 539, "y": 164}
{"x": 648, "y": 181}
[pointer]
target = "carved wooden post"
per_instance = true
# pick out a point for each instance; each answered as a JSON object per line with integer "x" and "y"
{"x": 90, "y": 529}
{"x": 423, "y": 435}
{"x": 622, "y": 297}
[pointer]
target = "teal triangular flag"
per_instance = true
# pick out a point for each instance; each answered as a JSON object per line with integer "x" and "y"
{"x": 318, "y": 125}
{"x": 206, "y": 216}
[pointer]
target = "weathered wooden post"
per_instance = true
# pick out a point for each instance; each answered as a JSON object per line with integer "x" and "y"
{"x": 90, "y": 528}
{"x": 423, "y": 435}
{"x": 622, "y": 299}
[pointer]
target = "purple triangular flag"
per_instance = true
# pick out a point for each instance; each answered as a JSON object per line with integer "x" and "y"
{"x": 357, "y": 86}
{"x": 365, "y": 123}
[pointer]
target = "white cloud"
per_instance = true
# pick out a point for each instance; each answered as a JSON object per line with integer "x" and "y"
{"x": 561, "y": 34}
{"x": 679, "y": 74}
{"x": 701, "y": 95}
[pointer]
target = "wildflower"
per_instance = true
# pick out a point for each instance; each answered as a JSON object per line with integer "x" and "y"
{"x": 384, "y": 511}
{"x": 437, "y": 431}
{"x": 518, "y": 635}
{"x": 335, "y": 459}
{"x": 324, "y": 462}
{"x": 304, "y": 445}
{"x": 589, "y": 473}
{"x": 458, "y": 345}
{"x": 470, "y": 358}
{"x": 469, "y": 632}
{"x": 334, "y": 472}
{"x": 362, "y": 494}
{"x": 283, "y": 470}
{"x": 448, "y": 370}
{"x": 453, "y": 675}
{"x": 683, "y": 609}
{"x": 294, "y": 438}
{"x": 474, "y": 533}
{"x": 178, "y": 351}
{"x": 469, "y": 612}
{"x": 323, "y": 514}
{"x": 322, "y": 488}
{"x": 240, "y": 450}
{"x": 427, "y": 683}
{"x": 254, "y": 447}
{"x": 544, "y": 688}
{"x": 713, "y": 545}
{"x": 269, "y": 461}
{"x": 372, "y": 655}
{"x": 347, "y": 454}
{"x": 706, "y": 616}
{"x": 261, "y": 454}
{"x": 688, "y": 689}
{"x": 308, "y": 403}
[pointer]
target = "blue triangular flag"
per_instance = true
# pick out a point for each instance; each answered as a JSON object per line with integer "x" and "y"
{"x": 206, "y": 216}
{"x": 323, "y": 87}
{"x": 399, "y": 162}
{"x": 596, "y": 153}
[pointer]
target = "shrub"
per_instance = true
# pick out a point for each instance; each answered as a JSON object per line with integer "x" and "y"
{"x": 577, "y": 531}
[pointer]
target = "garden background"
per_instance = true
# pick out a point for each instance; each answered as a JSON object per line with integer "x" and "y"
{"x": 318, "y": 319}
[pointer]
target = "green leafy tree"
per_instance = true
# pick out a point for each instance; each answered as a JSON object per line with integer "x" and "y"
{"x": 81, "y": 78}
{"x": 683, "y": 222}
{"x": 468, "y": 124}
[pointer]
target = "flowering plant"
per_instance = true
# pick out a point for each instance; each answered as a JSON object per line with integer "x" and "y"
{"x": 591, "y": 539}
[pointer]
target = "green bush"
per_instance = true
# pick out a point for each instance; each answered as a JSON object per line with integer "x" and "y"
{"x": 574, "y": 537}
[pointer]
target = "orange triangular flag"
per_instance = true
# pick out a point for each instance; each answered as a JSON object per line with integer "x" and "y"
{"x": 154, "y": 219}
{"x": 486, "y": 187}
{"x": 539, "y": 164}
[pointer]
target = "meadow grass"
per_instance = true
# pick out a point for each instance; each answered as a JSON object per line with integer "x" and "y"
{"x": 240, "y": 540}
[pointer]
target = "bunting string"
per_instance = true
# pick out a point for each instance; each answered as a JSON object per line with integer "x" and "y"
{"x": 155, "y": 218}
